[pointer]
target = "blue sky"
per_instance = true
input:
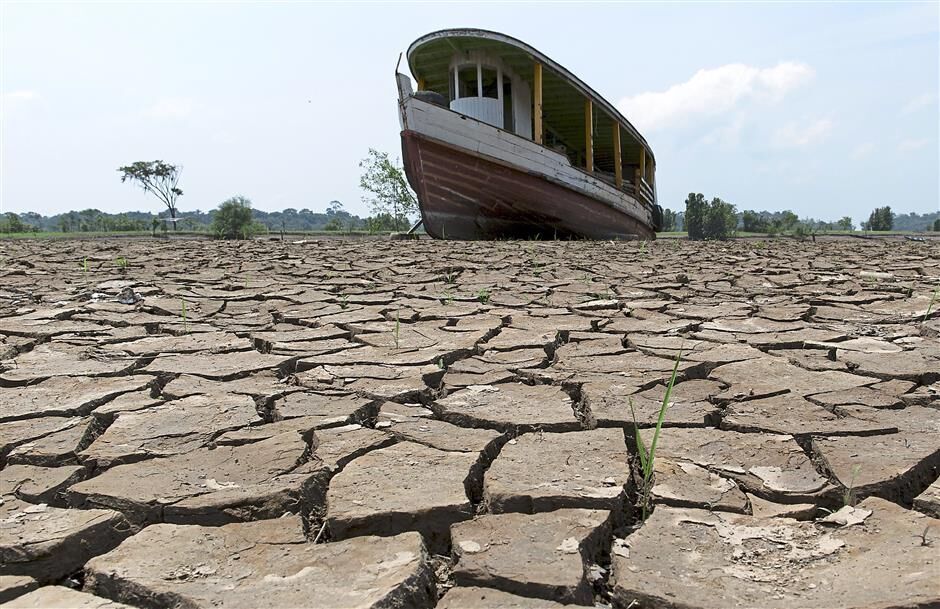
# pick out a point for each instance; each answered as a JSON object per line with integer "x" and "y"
{"x": 828, "y": 109}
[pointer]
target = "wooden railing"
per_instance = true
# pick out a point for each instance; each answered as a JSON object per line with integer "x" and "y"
{"x": 645, "y": 192}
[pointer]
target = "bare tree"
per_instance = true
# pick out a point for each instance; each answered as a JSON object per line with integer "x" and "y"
{"x": 158, "y": 178}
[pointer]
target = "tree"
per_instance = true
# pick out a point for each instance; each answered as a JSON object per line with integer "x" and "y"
{"x": 334, "y": 208}
{"x": 787, "y": 220}
{"x": 695, "y": 208}
{"x": 335, "y": 224}
{"x": 669, "y": 221}
{"x": 704, "y": 220}
{"x": 388, "y": 189}
{"x": 882, "y": 218}
{"x": 936, "y": 225}
{"x": 846, "y": 223}
{"x": 721, "y": 220}
{"x": 753, "y": 222}
{"x": 233, "y": 219}
{"x": 380, "y": 223}
{"x": 158, "y": 178}
{"x": 11, "y": 223}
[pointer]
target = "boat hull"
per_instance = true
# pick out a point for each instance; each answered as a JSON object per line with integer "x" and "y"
{"x": 465, "y": 196}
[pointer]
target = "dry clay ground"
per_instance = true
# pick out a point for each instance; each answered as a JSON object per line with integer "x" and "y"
{"x": 411, "y": 424}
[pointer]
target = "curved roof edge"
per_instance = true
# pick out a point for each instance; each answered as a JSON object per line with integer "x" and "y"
{"x": 537, "y": 55}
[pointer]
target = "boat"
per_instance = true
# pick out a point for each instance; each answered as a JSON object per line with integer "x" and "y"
{"x": 501, "y": 142}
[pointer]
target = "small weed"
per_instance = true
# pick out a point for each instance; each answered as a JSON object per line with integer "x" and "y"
{"x": 183, "y": 315}
{"x": 642, "y": 248}
{"x": 483, "y": 296}
{"x": 648, "y": 456}
{"x": 450, "y": 277}
{"x": 121, "y": 264}
{"x": 923, "y": 538}
{"x": 448, "y": 297}
{"x": 343, "y": 301}
{"x": 440, "y": 363}
{"x": 397, "y": 333}
{"x": 848, "y": 496}
{"x": 930, "y": 306}
{"x": 84, "y": 266}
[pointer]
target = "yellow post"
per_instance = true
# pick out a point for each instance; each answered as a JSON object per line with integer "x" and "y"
{"x": 589, "y": 135}
{"x": 537, "y": 110}
{"x": 618, "y": 157}
{"x": 421, "y": 84}
{"x": 642, "y": 164}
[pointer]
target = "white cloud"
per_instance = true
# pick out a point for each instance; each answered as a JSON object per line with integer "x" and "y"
{"x": 22, "y": 95}
{"x": 170, "y": 107}
{"x": 797, "y": 135}
{"x": 726, "y": 136}
{"x": 23, "y": 100}
{"x": 910, "y": 145}
{"x": 862, "y": 151}
{"x": 711, "y": 92}
{"x": 921, "y": 101}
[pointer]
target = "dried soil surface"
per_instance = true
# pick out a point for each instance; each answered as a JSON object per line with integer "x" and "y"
{"x": 416, "y": 424}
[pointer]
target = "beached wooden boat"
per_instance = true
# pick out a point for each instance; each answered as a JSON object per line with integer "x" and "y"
{"x": 499, "y": 141}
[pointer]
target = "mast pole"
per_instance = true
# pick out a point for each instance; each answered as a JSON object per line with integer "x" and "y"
{"x": 537, "y": 110}
{"x": 589, "y": 135}
{"x": 618, "y": 157}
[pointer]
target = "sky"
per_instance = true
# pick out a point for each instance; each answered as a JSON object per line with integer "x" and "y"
{"x": 826, "y": 109}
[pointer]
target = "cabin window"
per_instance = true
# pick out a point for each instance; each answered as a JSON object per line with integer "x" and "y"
{"x": 490, "y": 85}
{"x": 467, "y": 82}
{"x": 482, "y": 92}
{"x": 508, "y": 118}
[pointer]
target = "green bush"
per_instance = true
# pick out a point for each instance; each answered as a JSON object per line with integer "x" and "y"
{"x": 11, "y": 223}
{"x": 233, "y": 220}
{"x": 695, "y": 209}
{"x": 715, "y": 220}
{"x": 881, "y": 219}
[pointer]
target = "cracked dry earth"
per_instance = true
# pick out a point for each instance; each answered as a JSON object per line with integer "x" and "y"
{"x": 416, "y": 424}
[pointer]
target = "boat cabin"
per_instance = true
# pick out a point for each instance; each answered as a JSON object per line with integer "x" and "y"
{"x": 503, "y": 82}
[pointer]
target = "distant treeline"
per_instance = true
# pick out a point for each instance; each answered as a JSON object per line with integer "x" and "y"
{"x": 787, "y": 221}
{"x": 94, "y": 220}
{"x": 335, "y": 218}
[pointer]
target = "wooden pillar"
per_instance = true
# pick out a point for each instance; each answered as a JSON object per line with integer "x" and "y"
{"x": 642, "y": 164}
{"x": 421, "y": 84}
{"x": 618, "y": 157}
{"x": 589, "y": 135}
{"x": 537, "y": 110}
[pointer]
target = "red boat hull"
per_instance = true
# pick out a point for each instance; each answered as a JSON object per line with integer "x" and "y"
{"x": 463, "y": 196}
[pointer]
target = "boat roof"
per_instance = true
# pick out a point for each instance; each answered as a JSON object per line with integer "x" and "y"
{"x": 429, "y": 58}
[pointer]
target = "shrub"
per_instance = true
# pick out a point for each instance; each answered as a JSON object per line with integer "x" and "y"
{"x": 233, "y": 219}
{"x": 882, "y": 218}
{"x": 752, "y": 222}
{"x": 721, "y": 220}
{"x": 715, "y": 220}
{"x": 11, "y": 223}
{"x": 695, "y": 209}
